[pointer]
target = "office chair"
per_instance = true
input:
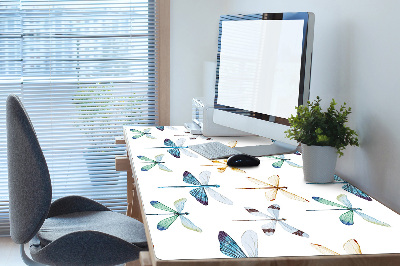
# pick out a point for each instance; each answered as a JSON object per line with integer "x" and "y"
{"x": 72, "y": 230}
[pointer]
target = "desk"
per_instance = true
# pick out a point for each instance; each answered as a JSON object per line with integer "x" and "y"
{"x": 300, "y": 236}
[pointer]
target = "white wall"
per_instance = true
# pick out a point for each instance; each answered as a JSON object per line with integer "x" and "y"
{"x": 356, "y": 60}
{"x": 194, "y": 41}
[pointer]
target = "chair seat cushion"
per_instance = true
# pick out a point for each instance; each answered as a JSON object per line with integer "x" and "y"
{"x": 107, "y": 222}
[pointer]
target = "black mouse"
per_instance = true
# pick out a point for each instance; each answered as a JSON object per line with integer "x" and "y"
{"x": 243, "y": 160}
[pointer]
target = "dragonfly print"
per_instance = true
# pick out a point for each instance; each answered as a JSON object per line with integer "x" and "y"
{"x": 161, "y": 128}
{"x": 347, "y": 217}
{"x": 273, "y": 187}
{"x": 269, "y": 228}
{"x": 230, "y": 248}
{"x": 281, "y": 160}
{"x": 200, "y": 187}
{"x": 145, "y": 132}
{"x": 191, "y": 136}
{"x": 352, "y": 189}
{"x": 178, "y": 148}
{"x": 166, "y": 223}
{"x": 351, "y": 247}
{"x": 151, "y": 163}
{"x": 222, "y": 166}
{"x": 232, "y": 143}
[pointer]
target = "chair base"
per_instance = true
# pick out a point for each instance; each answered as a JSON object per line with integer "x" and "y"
{"x": 26, "y": 259}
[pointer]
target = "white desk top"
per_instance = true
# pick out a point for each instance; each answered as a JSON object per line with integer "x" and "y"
{"x": 206, "y": 228}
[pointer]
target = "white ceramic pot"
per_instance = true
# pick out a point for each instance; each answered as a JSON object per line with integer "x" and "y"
{"x": 319, "y": 163}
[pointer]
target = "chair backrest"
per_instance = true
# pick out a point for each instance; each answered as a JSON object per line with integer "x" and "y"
{"x": 29, "y": 183}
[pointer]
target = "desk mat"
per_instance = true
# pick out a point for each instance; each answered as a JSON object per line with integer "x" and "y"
{"x": 201, "y": 209}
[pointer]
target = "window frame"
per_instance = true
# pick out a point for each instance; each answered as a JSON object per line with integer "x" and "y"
{"x": 163, "y": 36}
{"x": 162, "y": 68}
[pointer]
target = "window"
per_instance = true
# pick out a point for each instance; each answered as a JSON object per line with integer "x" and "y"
{"x": 83, "y": 69}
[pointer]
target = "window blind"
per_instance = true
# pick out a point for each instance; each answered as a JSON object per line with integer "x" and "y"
{"x": 83, "y": 69}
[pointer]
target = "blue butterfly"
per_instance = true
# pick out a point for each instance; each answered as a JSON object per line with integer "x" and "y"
{"x": 352, "y": 189}
{"x": 230, "y": 248}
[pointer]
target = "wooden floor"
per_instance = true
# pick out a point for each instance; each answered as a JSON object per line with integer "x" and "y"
{"x": 9, "y": 253}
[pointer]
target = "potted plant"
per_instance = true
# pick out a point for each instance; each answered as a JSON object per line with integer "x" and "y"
{"x": 323, "y": 135}
{"x": 99, "y": 107}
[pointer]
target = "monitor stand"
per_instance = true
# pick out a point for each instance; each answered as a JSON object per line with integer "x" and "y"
{"x": 276, "y": 148}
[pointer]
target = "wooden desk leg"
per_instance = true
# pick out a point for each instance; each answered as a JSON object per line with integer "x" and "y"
{"x": 133, "y": 210}
{"x": 144, "y": 258}
{"x": 133, "y": 263}
{"x": 133, "y": 201}
{"x": 129, "y": 192}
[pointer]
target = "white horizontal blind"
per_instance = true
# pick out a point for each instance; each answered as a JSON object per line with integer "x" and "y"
{"x": 10, "y": 82}
{"x": 83, "y": 69}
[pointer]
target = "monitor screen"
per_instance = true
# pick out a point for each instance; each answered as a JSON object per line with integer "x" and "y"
{"x": 263, "y": 71}
{"x": 257, "y": 58}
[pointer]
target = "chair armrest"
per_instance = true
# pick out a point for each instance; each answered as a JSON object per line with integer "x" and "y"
{"x": 72, "y": 204}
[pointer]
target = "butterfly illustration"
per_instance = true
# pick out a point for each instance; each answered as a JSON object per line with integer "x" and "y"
{"x": 176, "y": 149}
{"x": 230, "y": 248}
{"x": 269, "y": 229}
{"x": 352, "y": 189}
{"x": 347, "y": 217}
{"x": 351, "y": 247}
{"x": 222, "y": 166}
{"x": 151, "y": 163}
{"x": 166, "y": 223}
{"x": 282, "y": 160}
{"x": 200, "y": 188}
{"x": 273, "y": 187}
{"x": 145, "y": 132}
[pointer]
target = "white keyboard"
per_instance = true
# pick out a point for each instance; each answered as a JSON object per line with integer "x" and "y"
{"x": 214, "y": 150}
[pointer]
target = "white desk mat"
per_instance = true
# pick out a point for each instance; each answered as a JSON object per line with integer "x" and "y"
{"x": 237, "y": 222}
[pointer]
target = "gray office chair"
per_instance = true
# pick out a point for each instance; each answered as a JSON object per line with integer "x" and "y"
{"x": 70, "y": 231}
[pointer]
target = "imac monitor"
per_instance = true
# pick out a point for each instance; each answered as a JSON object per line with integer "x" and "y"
{"x": 263, "y": 73}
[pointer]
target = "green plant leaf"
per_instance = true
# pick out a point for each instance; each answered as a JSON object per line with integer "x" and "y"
{"x": 312, "y": 126}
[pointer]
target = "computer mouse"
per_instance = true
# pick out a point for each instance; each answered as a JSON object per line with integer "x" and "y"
{"x": 243, "y": 160}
